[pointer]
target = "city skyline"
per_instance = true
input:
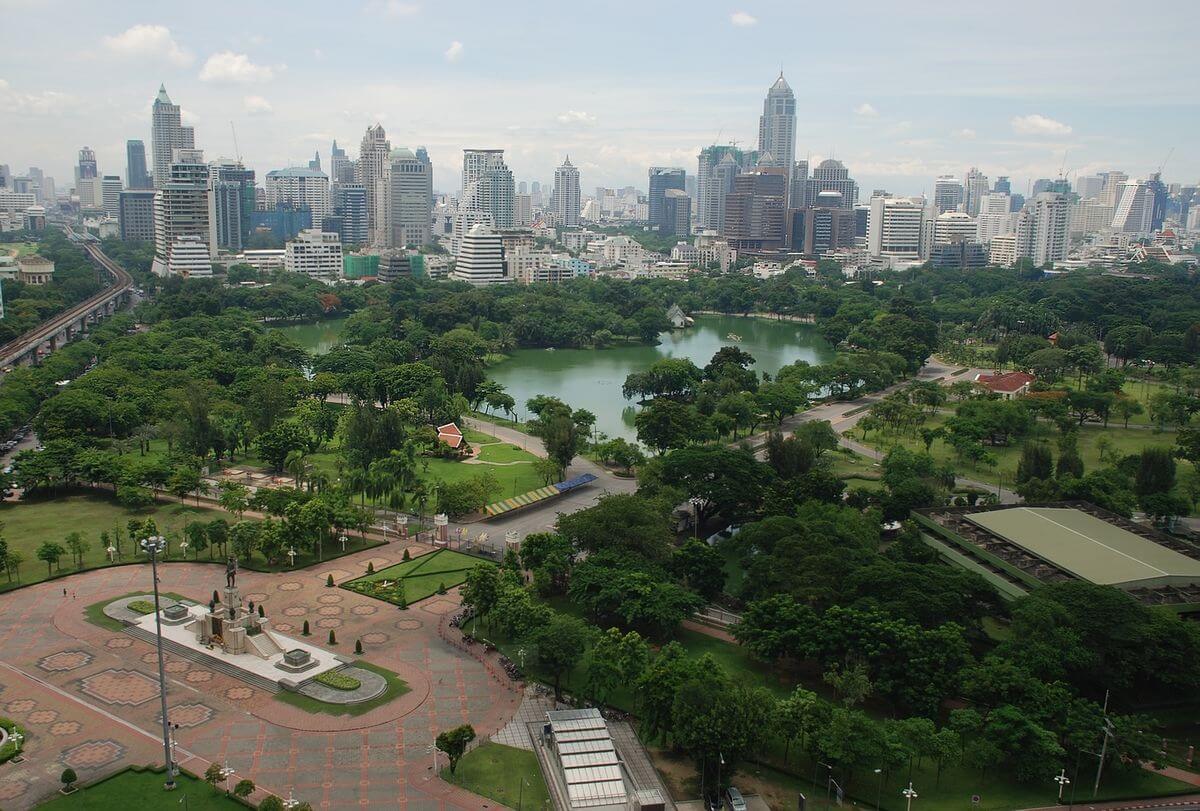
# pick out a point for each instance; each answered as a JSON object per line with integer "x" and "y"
{"x": 988, "y": 102}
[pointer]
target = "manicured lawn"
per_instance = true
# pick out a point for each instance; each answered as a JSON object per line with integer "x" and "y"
{"x": 143, "y": 788}
{"x": 496, "y": 771}
{"x": 420, "y": 577}
{"x": 504, "y": 452}
{"x": 855, "y": 470}
{"x": 513, "y": 479}
{"x": 95, "y": 612}
{"x": 396, "y": 687}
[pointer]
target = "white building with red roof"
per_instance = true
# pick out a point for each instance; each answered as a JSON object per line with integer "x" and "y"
{"x": 1007, "y": 384}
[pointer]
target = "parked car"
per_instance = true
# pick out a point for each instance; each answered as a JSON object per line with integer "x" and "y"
{"x": 734, "y": 800}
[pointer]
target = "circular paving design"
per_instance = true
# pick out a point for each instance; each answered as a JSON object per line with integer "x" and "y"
{"x": 12, "y": 788}
{"x": 65, "y": 728}
{"x": 282, "y": 627}
{"x": 118, "y": 642}
{"x": 256, "y": 597}
{"x": 375, "y": 638}
{"x": 239, "y": 693}
{"x": 364, "y": 610}
{"x": 176, "y": 667}
{"x": 93, "y": 754}
{"x": 409, "y": 625}
{"x": 329, "y": 622}
{"x": 42, "y": 717}
{"x": 151, "y": 658}
{"x": 295, "y": 611}
{"x": 290, "y": 585}
{"x": 329, "y": 610}
{"x": 21, "y": 705}
{"x": 198, "y": 677}
{"x": 64, "y": 660}
{"x": 440, "y": 606}
{"x": 329, "y": 599}
{"x": 124, "y": 687}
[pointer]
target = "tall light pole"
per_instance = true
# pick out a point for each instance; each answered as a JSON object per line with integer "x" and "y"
{"x": 879, "y": 789}
{"x": 1062, "y": 781}
{"x": 909, "y": 796}
{"x": 226, "y": 773}
{"x": 153, "y": 547}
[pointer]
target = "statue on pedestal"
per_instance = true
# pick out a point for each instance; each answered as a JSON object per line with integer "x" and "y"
{"x": 231, "y": 569}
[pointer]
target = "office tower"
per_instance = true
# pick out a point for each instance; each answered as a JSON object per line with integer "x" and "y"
{"x": 1051, "y": 218}
{"x": 488, "y": 187}
{"x": 1040, "y": 185}
{"x": 136, "y": 176}
{"x": 798, "y": 188}
{"x": 478, "y": 161}
{"x": 896, "y": 228}
{"x": 523, "y": 187}
{"x": 181, "y": 222}
{"x": 299, "y": 187}
{"x": 661, "y": 179}
{"x": 314, "y": 253}
{"x": 1135, "y": 208}
{"x": 1158, "y": 192}
{"x": 954, "y": 226}
{"x": 754, "y": 210}
{"x": 716, "y": 166}
{"x": 110, "y": 195}
{"x": 996, "y": 216}
{"x": 832, "y": 175}
{"x": 407, "y": 201}
{"x": 975, "y": 187}
{"x": 341, "y": 168}
{"x": 349, "y": 202}
{"x": 315, "y": 163}
{"x": 961, "y": 255}
{"x": 1090, "y": 216}
{"x": 231, "y": 203}
{"x": 480, "y": 257}
{"x": 87, "y": 185}
{"x": 535, "y": 192}
{"x": 819, "y": 229}
{"x": 677, "y": 213}
{"x": 5, "y": 176}
{"x": 1110, "y": 193}
{"x": 566, "y": 194}
{"x": 368, "y": 169}
{"x": 522, "y": 211}
{"x": 1089, "y": 187}
{"x": 167, "y": 134}
{"x": 1002, "y": 185}
{"x": 777, "y": 126}
{"x": 135, "y": 215}
{"x": 947, "y": 193}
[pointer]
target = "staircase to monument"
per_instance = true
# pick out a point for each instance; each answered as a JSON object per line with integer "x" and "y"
{"x": 209, "y": 660}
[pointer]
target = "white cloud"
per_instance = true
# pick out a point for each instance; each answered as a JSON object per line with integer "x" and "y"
{"x": 1035, "y": 124}
{"x": 392, "y": 8}
{"x": 230, "y": 68}
{"x": 318, "y": 53}
{"x": 454, "y": 52}
{"x": 742, "y": 19}
{"x": 48, "y": 102}
{"x": 256, "y": 105}
{"x": 576, "y": 117}
{"x": 149, "y": 42}
{"x": 965, "y": 132}
{"x": 866, "y": 110}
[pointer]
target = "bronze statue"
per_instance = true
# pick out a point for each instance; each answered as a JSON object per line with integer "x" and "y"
{"x": 231, "y": 572}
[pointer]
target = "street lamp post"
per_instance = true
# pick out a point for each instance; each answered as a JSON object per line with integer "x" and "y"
{"x": 1063, "y": 781}
{"x": 695, "y": 516}
{"x": 16, "y": 738}
{"x": 291, "y": 802}
{"x": 153, "y": 547}
{"x": 828, "y": 778}
{"x": 909, "y": 796}
{"x": 879, "y": 789}
{"x": 226, "y": 774}
{"x": 343, "y": 539}
{"x": 291, "y": 553}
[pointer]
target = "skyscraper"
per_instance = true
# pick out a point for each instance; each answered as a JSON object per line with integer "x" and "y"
{"x": 661, "y": 179}
{"x": 777, "y": 126}
{"x": 167, "y": 134}
{"x": 341, "y": 168}
{"x": 480, "y": 257}
{"x": 87, "y": 185}
{"x": 1051, "y": 219}
{"x": 368, "y": 170}
{"x": 300, "y": 187}
{"x": 976, "y": 186}
{"x": 488, "y": 186}
{"x": 136, "y": 176}
{"x": 947, "y": 193}
{"x": 754, "y": 210}
{"x": 896, "y": 229}
{"x": 677, "y": 213}
{"x": 566, "y": 194}
{"x": 136, "y": 215}
{"x": 231, "y": 203}
{"x": 832, "y": 175}
{"x": 110, "y": 195}
{"x": 714, "y": 179}
{"x": 349, "y": 202}
{"x": 183, "y": 238}
{"x": 407, "y": 201}
{"x": 1135, "y": 208}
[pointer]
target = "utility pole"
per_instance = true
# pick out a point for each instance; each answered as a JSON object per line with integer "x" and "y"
{"x": 1103, "y": 747}
{"x": 153, "y": 547}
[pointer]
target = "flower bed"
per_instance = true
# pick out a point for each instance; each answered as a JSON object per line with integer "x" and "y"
{"x": 338, "y": 681}
{"x": 141, "y": 606}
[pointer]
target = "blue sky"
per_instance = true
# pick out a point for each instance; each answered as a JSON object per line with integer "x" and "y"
{"x": 901, "y": 92}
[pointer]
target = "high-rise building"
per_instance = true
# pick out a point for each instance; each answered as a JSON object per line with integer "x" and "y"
{"x": 947, "y": 193}
{"x": 407, "y": 201}
{"x": 755, "y": 209}
{"x": 1051, "y": 219}
{"x": 1089, "y": 187}
{"x": 819, "y": 229}
{"x": 167, "y": 134}
{"x": 1090, "y": 216}
{"x": 996, "y": 216}
{"x": 677, "y": 213}
{"x": 566, "y": 194}
{"x": 662, "y": 178}
{"x": 87, "y": 185}
{"x": 314, "y": 253}
{"x": 300, "y": 187}
{"x": 231, "y": 202}
{"x": 896, "y": 229}
{"x": 181, "y": 221}
{"x": 368, "y": 169}
{"x": 798, "y": 188}
{"x": 349, "y": 202}
{"x": 480, "y": 257}
{"x": 135, "y": 215}
{"x": 1002, "y": 185}
{"x": 136, "y": 176}
{"x": 954, "y": 226}
{"x": 716, "y": 166}
{"x": 110, "y": 195}
{"x": 1042, "y": 184}
{"x": 488, "y": 188}
{"x": 341, "y": 168}
{"x": 975, "y": 187}
{"x": 1135, "y": 208}
{"x": 522, "y": 211}
{"x": 1158, "y": 192}
{"x": 777, "y": 126}
{"x": 832, "y": 175}
{"x": 315, "y": 163}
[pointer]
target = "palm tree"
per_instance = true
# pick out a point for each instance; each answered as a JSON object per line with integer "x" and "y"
{"x": 297, "y": 465}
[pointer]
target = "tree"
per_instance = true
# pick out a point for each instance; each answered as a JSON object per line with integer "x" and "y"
{"x": 559, "y": 646}
{"x": 615, "y": 659}
{"x": 620, "y": 521}
{"x": 673, "y": 378}
{"x": 275, "y": 445}
{"x": 233, "y": 497}
{"x": 663, "y": 424}
{"x": 700, "y": 567}
{"x": 1036, "y": 462}
{"x": 562, "y": 439}
{"x": 1155, "y": 472}
{"x": 481, "y": 591}
{"x": 184, "y": 479}
{"x": 1127, "y": 408}
{"x": 196, "y": 533}
{"x": 454, "y": 743}
{"x": 68, "y": 778}
{"x": 244, "y": 788}
{"x": 271, "y": 803}
{"x": 50, "y": 553}
{"x": 78, "y": 548}
{"x": 622, "y": 453}
{"x": 212, "y": 775}
{"x": 725, "y": 481}
{"x": 851, "y": 682}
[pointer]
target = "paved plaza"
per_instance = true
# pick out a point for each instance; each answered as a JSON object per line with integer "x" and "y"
{"x": 88, "y": 696}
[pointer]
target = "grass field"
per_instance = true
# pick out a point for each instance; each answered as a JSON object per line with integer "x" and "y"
{"x": 143, "y": 788}
{"x": 496, "y": 771}
{"x": 96, "y": 616}
{"x": 396, "y": 687}
{"x": 418, "y": 578}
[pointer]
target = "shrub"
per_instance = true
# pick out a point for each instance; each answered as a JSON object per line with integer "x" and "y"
{"x": 68, "y": 779}
{"x": 271, "y": 803}
{"x": 441, "y": 588}
{"x": 406, "y": 556}
{"x": 306, "y": 632}
{"x": 329, "y": 581}
{"x": 244, "y": 788}
{"x": 338, "y": 681}
{"x": 358, "y": 646}
{"x": 332, "y": 637}
{"x": 141, "y": 606}
{"x": 261, "y": 613}
{"x": 370, "y": 567}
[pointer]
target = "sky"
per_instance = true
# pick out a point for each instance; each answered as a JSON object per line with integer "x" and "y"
{"x": 900, "y": 92}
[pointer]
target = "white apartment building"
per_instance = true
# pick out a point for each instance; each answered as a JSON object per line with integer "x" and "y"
{"x": 1135, "y": 210}
{"x": 1050, "y": 213}
{"x": 522, "y": 211}
{"x": 896, "y": 228}
{"x": 110, "y": 195}
{"x": 299, "y": 187}
{"x": 1090, "y": 216}
{"x": 188, "y": 256}
{"x": 480, "y": 259}
{"x": 406, "y": 201}
{"x": 566, "y": 194}
{"x": 1003, "y": 250}
{"x": 314, "y": 253}
{"x": 954, "y": 226}
{"x": 181, "y": 210}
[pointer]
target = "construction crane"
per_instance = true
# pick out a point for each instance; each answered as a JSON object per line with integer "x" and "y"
{"x": 1164, "y": 163}
{"x": 237, "y": 151}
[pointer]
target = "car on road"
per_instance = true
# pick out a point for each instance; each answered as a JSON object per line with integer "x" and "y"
{"x": 734, "y": 801}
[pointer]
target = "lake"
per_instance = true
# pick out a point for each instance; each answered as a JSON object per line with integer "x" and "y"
{"x": 592, "y": 378}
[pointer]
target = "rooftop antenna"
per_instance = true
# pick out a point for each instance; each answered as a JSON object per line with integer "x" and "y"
{"x": 236, "y": 149}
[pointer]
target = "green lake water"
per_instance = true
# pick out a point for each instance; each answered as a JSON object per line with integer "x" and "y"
{"x": 592, "y": 378}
